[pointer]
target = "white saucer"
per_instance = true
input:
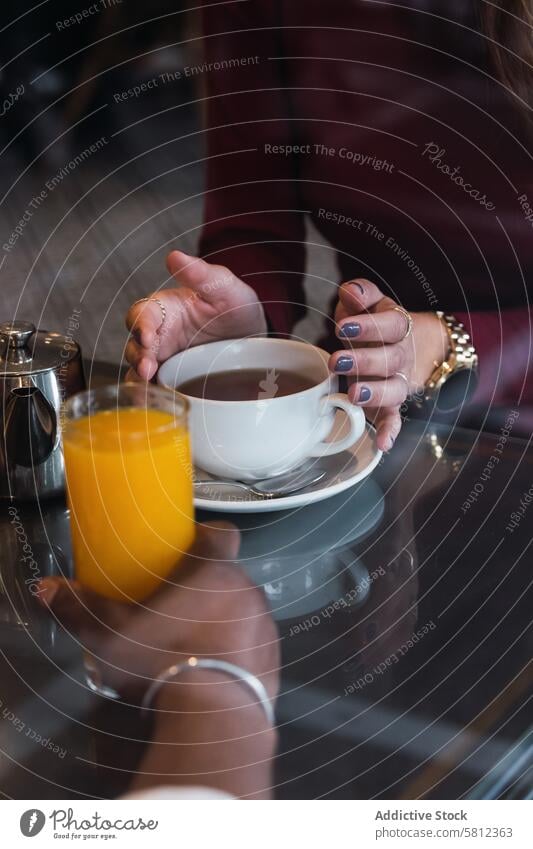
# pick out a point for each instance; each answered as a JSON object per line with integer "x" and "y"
{"x": 343, "y": 471}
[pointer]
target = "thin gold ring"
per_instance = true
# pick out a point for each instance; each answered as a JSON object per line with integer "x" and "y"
{"x": 160, "y": 305}
{"x": 409, "y": 319}
{"x": 404, "y": 376}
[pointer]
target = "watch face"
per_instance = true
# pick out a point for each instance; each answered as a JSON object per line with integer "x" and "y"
{"x": 457, "y": 391}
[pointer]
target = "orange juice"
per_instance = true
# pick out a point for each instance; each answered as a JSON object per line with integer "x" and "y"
{"x": 129, "y": 489}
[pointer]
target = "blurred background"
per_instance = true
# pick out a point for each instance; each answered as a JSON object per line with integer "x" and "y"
{"x": 101, "y": 170}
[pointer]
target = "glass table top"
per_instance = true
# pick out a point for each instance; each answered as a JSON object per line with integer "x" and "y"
{"x": 404, "y": 612}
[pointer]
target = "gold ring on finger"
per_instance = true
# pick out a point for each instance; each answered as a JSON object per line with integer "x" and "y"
{"x": 409, "y": 319}
{"x": 159, "y": 304}
{"x": 404, "y": 377}
{"x": 407, "y": 384}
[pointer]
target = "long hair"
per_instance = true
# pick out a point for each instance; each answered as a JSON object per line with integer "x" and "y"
{"x": 508, "y": 24}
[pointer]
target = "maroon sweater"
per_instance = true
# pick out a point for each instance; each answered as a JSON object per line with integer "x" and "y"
{"x": 404, "y": 150}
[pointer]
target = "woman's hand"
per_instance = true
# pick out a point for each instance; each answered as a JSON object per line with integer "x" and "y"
{"x": 385, "y": 364}
{"x": 209, "y": 304}
{"x": 207, "y": 608}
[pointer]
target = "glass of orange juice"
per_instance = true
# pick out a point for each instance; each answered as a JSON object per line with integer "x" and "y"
{"x": 129, "y": 487}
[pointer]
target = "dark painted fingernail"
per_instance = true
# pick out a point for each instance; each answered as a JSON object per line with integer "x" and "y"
{"x": 365, "y": 394}
{"x": 350, "y": 330}
{"x": 344, "y": 364}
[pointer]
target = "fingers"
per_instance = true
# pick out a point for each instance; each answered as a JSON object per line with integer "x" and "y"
{"x": 131, "y": 376}
{"x": 145, "y": 318}
{"x": 386, "y": 327}
{"x": 217, "y": 541}
{"x": 379, "y": 393}
{"x": 142, "y": 360}
{"x": 149, "y": 323}
{"x": 383, "y": 361}
{"x": 204, "y": 279}
{"x": 389, "y": 425}
{"x": 78, "y": 609}
{"x": 359, "y": 295}
{"x": 74, "y": 606}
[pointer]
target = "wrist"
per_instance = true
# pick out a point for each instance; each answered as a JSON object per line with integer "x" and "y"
{"x": 203, "y": 735}
{"x": 133, "y": 686}
{"x": 213, "y": 705}
{"x": 206, "y": 688}
{"x": 433, "y": 349}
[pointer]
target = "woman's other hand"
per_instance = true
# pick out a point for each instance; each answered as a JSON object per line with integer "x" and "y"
{"x": 209, "y": 303}
{"x": 384, "y": 364}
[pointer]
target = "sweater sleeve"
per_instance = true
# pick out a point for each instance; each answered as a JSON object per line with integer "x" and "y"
{"x": 503, "y": 341}
{"x": 253, "y": 217}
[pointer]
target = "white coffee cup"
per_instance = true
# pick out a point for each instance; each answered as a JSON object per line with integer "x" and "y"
{"x": 250, "y": 440}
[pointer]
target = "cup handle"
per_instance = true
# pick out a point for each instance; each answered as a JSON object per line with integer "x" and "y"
{"x": 356, "y": 418}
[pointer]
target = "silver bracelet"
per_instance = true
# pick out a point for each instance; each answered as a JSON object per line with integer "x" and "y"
{"x": 251, "y": 681}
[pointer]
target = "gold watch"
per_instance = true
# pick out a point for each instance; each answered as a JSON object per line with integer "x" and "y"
{"x": 454, "y": 381}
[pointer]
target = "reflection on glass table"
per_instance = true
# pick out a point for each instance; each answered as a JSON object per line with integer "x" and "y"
{"x": 404, "y": 611}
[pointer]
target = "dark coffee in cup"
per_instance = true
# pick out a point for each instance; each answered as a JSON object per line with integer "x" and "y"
{"x": 282, "y": 405}
{"x": 246, "y": 384}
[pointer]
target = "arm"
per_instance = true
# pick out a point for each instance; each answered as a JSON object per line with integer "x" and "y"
{"x": 254, "y": 221}
{"x": 207, "y": 729}
{"x": 202, "y": 735}
{"x": 254, "y": 235}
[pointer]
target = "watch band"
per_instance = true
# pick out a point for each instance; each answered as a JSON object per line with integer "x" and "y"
{"x": 462, "y": 359}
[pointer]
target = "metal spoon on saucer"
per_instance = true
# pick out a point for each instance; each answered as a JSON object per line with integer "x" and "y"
{"x": 277, "y": 487}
